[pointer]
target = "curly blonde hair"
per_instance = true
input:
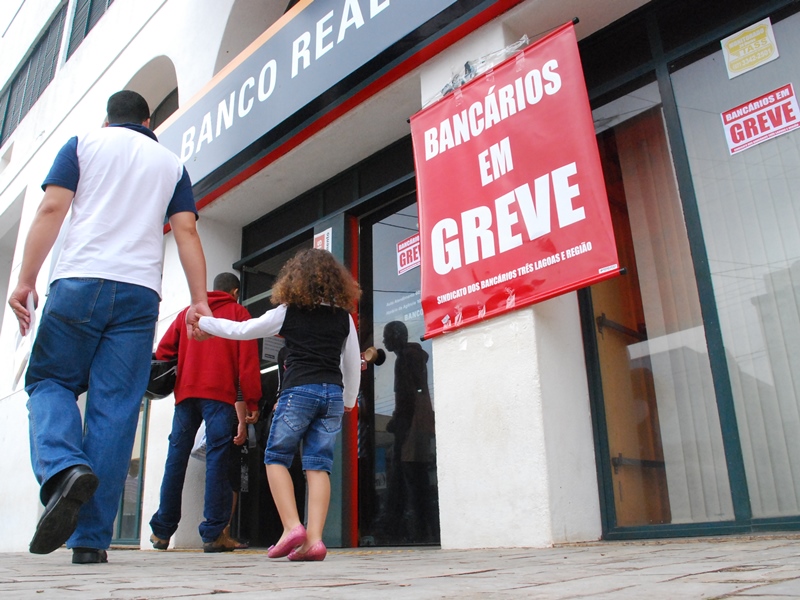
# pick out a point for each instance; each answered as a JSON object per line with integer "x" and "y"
{"x": 313, "y": 277}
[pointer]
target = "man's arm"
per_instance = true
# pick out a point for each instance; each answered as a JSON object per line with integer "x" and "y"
{"x": 241, "y": 430}
{"x": 190, "y": 252}
{"x": 41, "y": 237}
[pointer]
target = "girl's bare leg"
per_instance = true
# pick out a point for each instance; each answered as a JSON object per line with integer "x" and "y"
{"x": 319, "y": 497}
{"x": 282, "y": 488}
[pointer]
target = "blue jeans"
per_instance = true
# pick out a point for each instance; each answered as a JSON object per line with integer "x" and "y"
{"x": 218, "y": 496}
{"x": 97, "y": 336}
{"x": 311, "y": 414}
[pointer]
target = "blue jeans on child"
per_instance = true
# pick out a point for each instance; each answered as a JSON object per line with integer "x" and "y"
{"x": 95, "y": 335}
{"x": 311, "y": 414}
{"x": 189, "y": 413}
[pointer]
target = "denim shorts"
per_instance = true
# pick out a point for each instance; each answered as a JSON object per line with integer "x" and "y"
{"x": 311, "y": 414}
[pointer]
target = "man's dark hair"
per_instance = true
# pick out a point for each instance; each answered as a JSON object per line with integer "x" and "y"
{"x": 127, "y": 107}
{"x": 226, "y": 282}
{"x": 397, "y": 331}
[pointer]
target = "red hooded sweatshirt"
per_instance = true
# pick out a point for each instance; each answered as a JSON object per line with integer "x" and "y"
{"x": 211, "y": 369}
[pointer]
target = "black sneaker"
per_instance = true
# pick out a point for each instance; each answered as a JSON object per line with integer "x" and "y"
{"x": 86, "y": 556}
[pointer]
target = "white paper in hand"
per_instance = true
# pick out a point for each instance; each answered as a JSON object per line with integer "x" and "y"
{"x": 24, "y": 344}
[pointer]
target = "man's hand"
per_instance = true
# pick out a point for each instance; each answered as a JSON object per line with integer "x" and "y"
{"x": 252, "y": 417}
{"x": 18, "y": 303}
{"x": 190, "y": 252}
{"x": 41, "y": 237}
{"x": 241, "y": 435}
{"x": 193, "y": 315}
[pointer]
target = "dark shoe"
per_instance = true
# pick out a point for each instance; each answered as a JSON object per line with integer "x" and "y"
{"x": 74, "y": 487}
{"x": 224, "y": 543}
{"x": 86, "y": 556}
{"x": 158, "y": 543}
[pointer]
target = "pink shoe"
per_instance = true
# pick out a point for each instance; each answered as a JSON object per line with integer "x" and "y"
{"x": 296, "y": 537}
{"x": 317, "y": 551}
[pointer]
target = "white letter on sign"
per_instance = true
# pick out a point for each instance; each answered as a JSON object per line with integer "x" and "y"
{"x": 506, "y": 218}
{"x": 350, "y": 16}
{"x": 502, "y": 162}
{"x": 322, "y": 33}
{"x": 536, "y": 218}
{"x": 431, "y": 144}
{"x": 300, "y": 51}
{"x": 187, "y": 145}
{"x": 475, "y": 224}
{"x": 375, "y": 7}
{"x": 564, "y": 194}
{"x": 446, "y": 255}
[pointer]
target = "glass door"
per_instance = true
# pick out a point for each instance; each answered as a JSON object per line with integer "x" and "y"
{"x": 750, "y": 218}
{"x": 398, "y": 491}
{"x": 129, "y": 516}
{"x": 255, "y": 517}
{"x": 662, "y": 456}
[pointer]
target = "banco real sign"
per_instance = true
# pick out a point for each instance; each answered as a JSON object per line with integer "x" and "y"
{"x": 316, "y": 45}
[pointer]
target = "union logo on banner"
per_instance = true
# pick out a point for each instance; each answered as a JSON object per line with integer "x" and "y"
{"x": 512, "y": 203}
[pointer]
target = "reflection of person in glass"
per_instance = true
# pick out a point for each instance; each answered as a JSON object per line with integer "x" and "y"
{"x": 411, "y": 512}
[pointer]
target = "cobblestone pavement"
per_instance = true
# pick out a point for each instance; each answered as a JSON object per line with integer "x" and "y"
{"x": 753, "y": 567}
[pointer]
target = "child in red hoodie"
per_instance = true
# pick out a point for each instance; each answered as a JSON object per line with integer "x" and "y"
{"x": 209, "y": 375}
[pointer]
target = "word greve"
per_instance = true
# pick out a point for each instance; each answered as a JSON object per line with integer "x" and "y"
{"x": 766, "y": 119}
{"x": 497, "y": 106}
{"x": 454, "y": 244}
{"x": 771, "y": 114}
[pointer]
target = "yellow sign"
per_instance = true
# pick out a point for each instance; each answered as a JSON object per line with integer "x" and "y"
{"x": 749, "y": 48}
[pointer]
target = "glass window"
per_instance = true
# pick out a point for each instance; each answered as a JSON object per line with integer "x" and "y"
{"x": 260, "y": 277}
{"x": 397, "y": 443}
{"x": 255, "y": 517}
{"x": 87, "y": 14}
{"x": 32, "y": 78}
{"x": 663, "y": 434}
{"x": 129, "y": 517}
{"x": 750, "y": 217}
{"x": 163, "y": 111}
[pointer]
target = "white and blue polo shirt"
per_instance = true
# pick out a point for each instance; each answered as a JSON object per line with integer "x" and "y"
{"x": 125, "y": 185}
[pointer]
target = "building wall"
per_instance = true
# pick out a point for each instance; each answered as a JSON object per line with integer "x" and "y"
{"x": 515, "y": 453}
{"x": 128, "y": 37}
{"x": 221, "y": 245}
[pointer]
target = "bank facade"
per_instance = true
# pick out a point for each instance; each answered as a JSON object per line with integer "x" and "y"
{"x": 661, "y": 402}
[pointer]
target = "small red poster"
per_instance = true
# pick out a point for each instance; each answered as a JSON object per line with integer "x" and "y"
{"x": 512, "y": 203}
{"x": 763, "y": 118}
{"x": 408, "y": 255}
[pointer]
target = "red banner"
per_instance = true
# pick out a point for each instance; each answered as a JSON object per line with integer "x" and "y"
{"x": 512, "y": 203}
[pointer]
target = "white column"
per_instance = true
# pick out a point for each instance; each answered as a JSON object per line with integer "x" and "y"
{"x": 515, "y": 449}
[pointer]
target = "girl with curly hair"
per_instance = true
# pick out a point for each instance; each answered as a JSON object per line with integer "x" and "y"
{"x": 314, "y": 294}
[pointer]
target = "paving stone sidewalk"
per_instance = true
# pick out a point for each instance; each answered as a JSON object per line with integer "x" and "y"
{"x": 742, "y": 568}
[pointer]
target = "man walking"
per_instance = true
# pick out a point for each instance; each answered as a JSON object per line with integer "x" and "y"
{"x": 210, "y": 373}
{"x": 97, "y": 328}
